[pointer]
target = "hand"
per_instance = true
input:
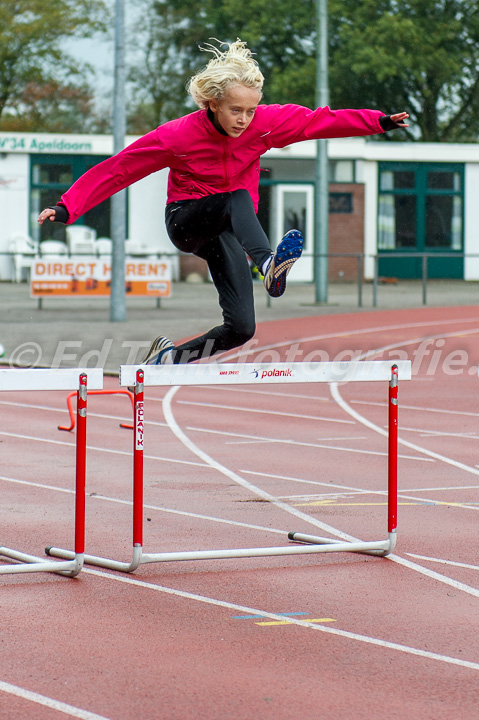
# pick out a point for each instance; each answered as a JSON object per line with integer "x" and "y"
{"x": 48, "y": 213}
{"x": 399, "y": 117}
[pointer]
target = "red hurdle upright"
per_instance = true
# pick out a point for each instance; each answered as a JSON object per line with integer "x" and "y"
{"x": 393, "y": 452}
{"x": 41, "y": 379}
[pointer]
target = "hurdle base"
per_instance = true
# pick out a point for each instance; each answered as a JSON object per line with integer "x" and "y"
{"x": 32, "y": 563}
{"x": 101, "y": 561}
{"x": 381, "y": 547}
{"x": 309, "y": 544}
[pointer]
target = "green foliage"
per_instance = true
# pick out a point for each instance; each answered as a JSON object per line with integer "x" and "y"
{"x": 33, "y": 63}
{"x": 417, "y": 55}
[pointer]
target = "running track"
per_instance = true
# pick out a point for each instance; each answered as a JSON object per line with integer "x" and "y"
{"x": 320, "y": 636}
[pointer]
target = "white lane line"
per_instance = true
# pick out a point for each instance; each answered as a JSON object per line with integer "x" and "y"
{"x": 256, "y": 438}
{"x": 265, "y": 412}
{"x": 175, "y": 428}
{"x": 444, "y": 562}
{"x": 361, "y": 419}
{"x": 49, "y": 702}
{"x": 243, "y": 609}
{"x": 419, "y": 409}
{"x": 443, "y": 433}
{"x": 159, "y": 508}
{"x": 350, "y": 487}
{"x": 64, "y": 411}
{"x": 434, "y": 575}
{"x": 100, "y": 449}
{"x": 440, "y": 489}
{"x": 352, "y": 333}
{"x": 402, "y": 495}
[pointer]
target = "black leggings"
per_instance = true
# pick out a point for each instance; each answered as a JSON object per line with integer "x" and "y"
{"x": 221, "y": 229}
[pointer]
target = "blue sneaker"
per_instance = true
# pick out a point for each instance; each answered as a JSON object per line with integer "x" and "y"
{"x": 158, "y": 349}
{"x": 289, "y": 250}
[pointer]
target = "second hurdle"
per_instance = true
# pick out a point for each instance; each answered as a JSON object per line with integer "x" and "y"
{"x": 35, "y": 379}
{"x": 257, "y": 374}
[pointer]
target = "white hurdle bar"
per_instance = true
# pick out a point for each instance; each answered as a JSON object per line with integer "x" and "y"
{"x": 255, "y": 374}
{"x": 32, "y": 379}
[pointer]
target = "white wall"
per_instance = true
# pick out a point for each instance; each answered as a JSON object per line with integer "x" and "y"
{"x": 367, "y": 173}
{"x": 471, "y": 221}
{"x": 146, "y": 216}
{"x": 14, "y": 169}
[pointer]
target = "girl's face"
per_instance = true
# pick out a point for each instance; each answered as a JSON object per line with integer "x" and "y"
{"x": 234, "y": 112}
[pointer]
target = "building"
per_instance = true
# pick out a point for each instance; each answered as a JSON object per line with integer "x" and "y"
{"x": 398, "y": 200}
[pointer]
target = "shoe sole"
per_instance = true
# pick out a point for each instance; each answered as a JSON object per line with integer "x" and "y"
{"x": 155, "y": 350}
{"x": 151, "y": 350}
{"x": 289, "y": 250}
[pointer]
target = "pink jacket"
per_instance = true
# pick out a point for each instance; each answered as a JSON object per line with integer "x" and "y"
{"x": 202, "y": 161}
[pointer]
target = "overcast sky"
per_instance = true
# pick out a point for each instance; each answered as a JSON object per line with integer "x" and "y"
{"x": 99, "y": 51}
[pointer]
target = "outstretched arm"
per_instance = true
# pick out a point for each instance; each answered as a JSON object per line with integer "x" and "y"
{"x": 286, "y": 124}
{"x": 141, "y": 158}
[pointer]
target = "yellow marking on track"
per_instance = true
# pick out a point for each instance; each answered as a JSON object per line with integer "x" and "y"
{"x": 285, "y": 622}
{"x": 331, "y": 503}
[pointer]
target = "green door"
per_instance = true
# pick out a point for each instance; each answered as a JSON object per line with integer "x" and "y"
{"x": 420, "y": 211}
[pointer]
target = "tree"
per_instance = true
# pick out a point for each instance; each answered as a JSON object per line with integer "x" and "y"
{"x": 54, "y": 107}
{"x": 417, "y": 55}
{"x": 420, "y": 55}
{"x": 34, "y": 67}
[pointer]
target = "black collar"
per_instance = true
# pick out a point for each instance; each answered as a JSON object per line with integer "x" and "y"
{"x": 211, "y": 117}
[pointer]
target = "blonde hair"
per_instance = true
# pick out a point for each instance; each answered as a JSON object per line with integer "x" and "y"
{"x": 234, "y": 66}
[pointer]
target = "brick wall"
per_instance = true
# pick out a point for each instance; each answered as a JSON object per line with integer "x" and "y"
{"x": 346, "y": 233}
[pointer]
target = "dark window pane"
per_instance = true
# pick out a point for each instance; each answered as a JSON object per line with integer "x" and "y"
{"x": 294, "y": 212}
{"x": 404, "y": 179}
{"x": 49, "y": 230}
{"x": 98, "y": 218}
{"x": 405, "y": 221}
{"x": 397, "y": 221}
{"x": 397, "y": 180}
{"x": 444, "y": 222}
{"x": 60, "y": 174}
{"x": 440, "y": 180}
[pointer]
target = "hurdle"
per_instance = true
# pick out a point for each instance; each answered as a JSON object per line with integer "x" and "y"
{"x": 35, "y": 379}
{"x": 257, "y": 374}
{"x": 71, "y": 427}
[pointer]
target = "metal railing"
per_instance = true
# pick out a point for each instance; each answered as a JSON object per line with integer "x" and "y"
{"x": 360, "y": 258}
{"x": 360, "y": 263}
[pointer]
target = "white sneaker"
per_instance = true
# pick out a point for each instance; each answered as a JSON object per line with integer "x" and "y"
{"x": 158, "y": 349}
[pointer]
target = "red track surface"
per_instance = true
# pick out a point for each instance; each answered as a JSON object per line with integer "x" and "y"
{"x": 367, "y": 637}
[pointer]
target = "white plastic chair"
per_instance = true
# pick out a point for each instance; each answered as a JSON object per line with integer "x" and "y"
{"x": 23, "y": 250}
{"x": 103, "y": 246}
{"x": 53, "y": 247}
{"x": 133, "y": 248}
{"x": 81, "y": 240}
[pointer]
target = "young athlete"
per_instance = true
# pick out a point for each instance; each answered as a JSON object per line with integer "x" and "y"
{"x": 213, "y": 156}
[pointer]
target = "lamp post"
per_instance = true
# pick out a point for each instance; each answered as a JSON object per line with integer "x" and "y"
{"x": 321, "y": 188}
{"x": 118, "y": 201}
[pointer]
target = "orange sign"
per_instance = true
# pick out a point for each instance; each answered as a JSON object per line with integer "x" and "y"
{"x": 89, "y": 276}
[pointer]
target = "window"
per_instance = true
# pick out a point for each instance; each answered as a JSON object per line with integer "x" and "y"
{"x": 51, "y": 176}
{"x": 342, "y": 171}
{"x": 420, "y": 207}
